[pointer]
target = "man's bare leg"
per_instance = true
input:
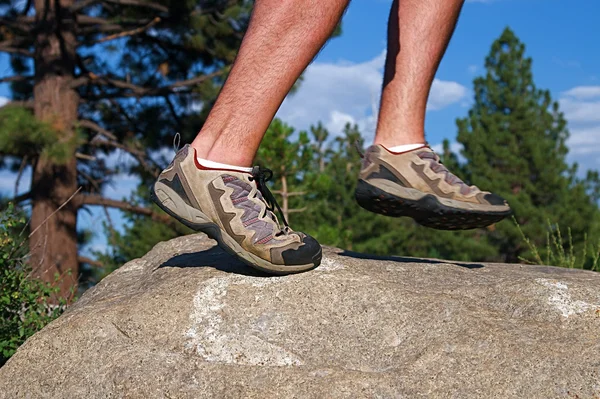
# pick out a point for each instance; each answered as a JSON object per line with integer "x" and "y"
{"x": 418, "y": 34}
{"x": 401, "y": 176}
{"x": 282, "y": 39}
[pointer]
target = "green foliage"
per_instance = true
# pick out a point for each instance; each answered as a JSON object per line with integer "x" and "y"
{"x": 557, "y": 255}
{"x": 25, "y": 303}
{"x": 514, "y": 144}
{"x": 21, "y": 134}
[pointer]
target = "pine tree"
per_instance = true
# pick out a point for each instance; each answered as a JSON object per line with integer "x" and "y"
{"x": 95, "y": 76}
{"x": 514, "y": 142}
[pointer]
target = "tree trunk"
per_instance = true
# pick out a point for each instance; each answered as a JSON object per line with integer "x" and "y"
{"x": 53, "y": 246}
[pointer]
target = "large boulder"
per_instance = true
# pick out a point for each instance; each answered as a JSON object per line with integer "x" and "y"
{"x": 188, "y": 321}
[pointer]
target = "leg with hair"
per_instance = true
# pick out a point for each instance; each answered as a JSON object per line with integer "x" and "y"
{"x": 418, "y": 34}
{"x": 401, "y": 175}
{"x": 282, "y": 38}
{"x": 209, "y": 186}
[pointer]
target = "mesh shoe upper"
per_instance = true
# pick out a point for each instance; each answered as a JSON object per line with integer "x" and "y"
{"x": 422, "y": 170}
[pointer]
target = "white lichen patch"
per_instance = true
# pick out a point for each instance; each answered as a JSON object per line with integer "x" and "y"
{"x": 257, "y": 281}
{"x": 215, "y": 341}
{"x": 329, "y": 265}
{"x": 560, "y": 298}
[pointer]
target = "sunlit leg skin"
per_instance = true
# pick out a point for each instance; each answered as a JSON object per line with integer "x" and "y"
{"x": 282, "y": 39}
{"x": 418, "y": 34}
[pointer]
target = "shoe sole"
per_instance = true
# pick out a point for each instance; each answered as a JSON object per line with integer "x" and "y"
{"x": 427, "y": 211}
{"x": 170, "y": 202}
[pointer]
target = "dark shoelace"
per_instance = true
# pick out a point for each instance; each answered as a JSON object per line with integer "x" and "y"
{"x": 262, "y": 176}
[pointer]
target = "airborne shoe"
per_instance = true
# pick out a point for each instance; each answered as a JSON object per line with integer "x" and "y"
{"x": 236, "y": 209}
{"x": 416, "y": 184}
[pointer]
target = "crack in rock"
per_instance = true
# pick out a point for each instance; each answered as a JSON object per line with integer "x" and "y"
{"x": 217, "y": 343}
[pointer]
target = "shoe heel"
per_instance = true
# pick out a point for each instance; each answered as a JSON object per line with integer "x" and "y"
{"x": 170, "y": 202}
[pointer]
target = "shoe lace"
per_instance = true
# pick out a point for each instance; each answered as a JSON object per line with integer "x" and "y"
{"x": 262, "y": 176}
{"x": 438, "y": 167}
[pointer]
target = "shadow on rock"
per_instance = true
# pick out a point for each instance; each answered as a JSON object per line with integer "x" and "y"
{"x": 400, "y": 259}
{"x": 216, "y": 258}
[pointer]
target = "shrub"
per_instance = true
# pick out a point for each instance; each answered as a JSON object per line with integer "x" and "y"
{"x": 26, "y": 304}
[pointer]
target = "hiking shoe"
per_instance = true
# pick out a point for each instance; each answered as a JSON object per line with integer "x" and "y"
{"x": 237, "y": 210}
{"x": 417, "y": 185}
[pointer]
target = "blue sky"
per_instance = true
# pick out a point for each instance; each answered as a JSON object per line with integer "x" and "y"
{"x": 343, "y": 83}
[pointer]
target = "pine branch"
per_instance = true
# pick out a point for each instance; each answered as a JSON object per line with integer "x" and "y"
{"x": 129, "y": 32}
{"x": 98, "y": 200}
{"x": 89, "y": 20}
{"x": 91, "y": 180}
{"x": 91, "y": 262}
{"x": 139, "y": 155}
{"x": 86, "y": 3}
{"x": 174, "y": 113}
{"x": 132, "y": 90}
{"x": 97, "y": 128}
{"x": 15, "y": 78}
{"x": 21, "y": 198}
{"x": 139, "y": 3}
{"x": 26, "y": 8}
{"x": 11, "y": 46}
{"x": 22, "y": 23}
{"x": 82, "y": 4}
{"x": 94, "y": 25}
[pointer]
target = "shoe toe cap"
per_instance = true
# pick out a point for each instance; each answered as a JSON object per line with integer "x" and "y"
{"x": 494, "y": 199}
{"x": 307, "y": 253}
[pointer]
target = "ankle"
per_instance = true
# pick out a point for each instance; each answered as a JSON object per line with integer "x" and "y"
{"x": 218, "y": 165}
{"x": 398, "y": 149}
{"x": 202, "y": 146}
{"x": 230, "y": 157}
{"x": 399, "y": 139}
{"x": 399, "y": 142}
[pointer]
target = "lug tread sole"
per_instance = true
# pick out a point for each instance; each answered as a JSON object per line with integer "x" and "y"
{"x": 428, "y": 211}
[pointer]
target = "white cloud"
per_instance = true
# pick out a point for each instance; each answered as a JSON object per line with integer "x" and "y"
{"x": 581, "y": 106}
{"x": 3, "y": 101}
{"x": 583, "y": 92}
{"x": 341, "y": 92}
{"x": 444, "y": 93}
{"x": 472, "y": 69}
{"x": 585, "y": 140}
{"x": 335, "y": 93}
{"x": 580, "y": 111}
